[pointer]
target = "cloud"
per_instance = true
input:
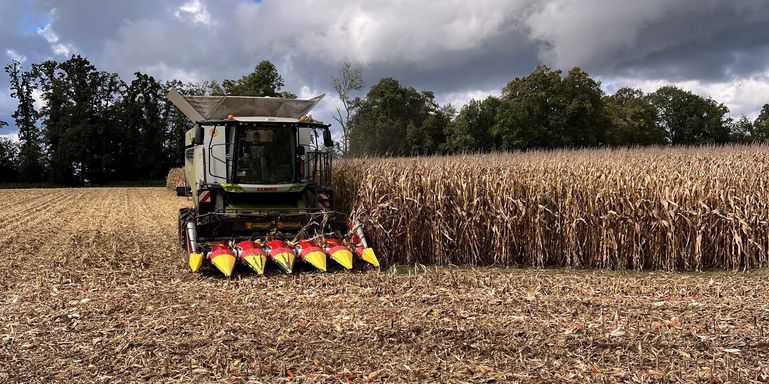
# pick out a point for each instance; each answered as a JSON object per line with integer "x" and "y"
{"x": 744, "y": 96}
{"x": 456, "y": 48}
{"x": 196, "y": 11}
{"x": 15, "y": 55}
{"x": 7, "y": 103}
{"x": 11, "y": 136}
{"x": 458, "y": 99}
{"x": 58, "y": 47}
{"x": 684, "y": 39}
{"x": 377, "y": 31}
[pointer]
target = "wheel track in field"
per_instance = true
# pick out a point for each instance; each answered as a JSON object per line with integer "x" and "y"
{"x": 85, "y": 237}
{"x": 10, "y": 198}
{"x": 17, "y": 202}
{"x": 30, "y": 218}
{"x": 154, "y": 231}
{"x": 39, "y": 244}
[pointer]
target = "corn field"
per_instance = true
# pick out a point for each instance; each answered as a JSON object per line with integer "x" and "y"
{"x": 95, "y": 289}
{"x": 658, "y": 208}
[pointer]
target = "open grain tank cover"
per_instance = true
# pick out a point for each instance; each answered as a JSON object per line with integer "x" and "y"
{"x": 203, "y": 108}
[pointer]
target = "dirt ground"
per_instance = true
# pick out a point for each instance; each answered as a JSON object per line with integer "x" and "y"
{"x": 94, "y": 289}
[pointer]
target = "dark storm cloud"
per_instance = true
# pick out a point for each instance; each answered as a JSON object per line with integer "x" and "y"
{"x": 680, "y": 40}
{"x": 451, "y": 47}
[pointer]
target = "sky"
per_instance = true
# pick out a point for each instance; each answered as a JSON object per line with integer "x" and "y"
{"x": 459, "y": 49}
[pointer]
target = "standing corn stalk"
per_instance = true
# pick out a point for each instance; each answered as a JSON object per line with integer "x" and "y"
{"x": 655, "y": 208}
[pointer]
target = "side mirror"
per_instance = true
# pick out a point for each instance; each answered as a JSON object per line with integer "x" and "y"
{"x": 327, "y": 140}
{"x": 199, "y": 135}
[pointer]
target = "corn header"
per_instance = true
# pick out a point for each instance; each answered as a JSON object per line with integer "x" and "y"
{"x": 260, "y": 179}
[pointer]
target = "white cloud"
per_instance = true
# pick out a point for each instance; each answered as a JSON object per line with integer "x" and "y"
{"x": 162, "y": 71}
{"x": 39, "y": 102}
{"x": 459, "y": 49}
{"x": 743, "y": 96}
{"x": 57, "y": 46}
{"x": 13, "y": 55}
{"x": 326, "y": 108}
{"x": 8, "y": 103}
{"x": 196, "y": 11}
{"x": 458, "y": 99}
{"x": 12, "y": 136}
{"x": 377, "y": 31}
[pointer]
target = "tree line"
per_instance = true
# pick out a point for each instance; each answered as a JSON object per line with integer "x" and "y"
{"x": 79, "y": 125}
{"x": 545, "y": 109}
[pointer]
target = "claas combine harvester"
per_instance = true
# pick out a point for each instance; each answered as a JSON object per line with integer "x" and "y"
{"x": 260, "y": 179}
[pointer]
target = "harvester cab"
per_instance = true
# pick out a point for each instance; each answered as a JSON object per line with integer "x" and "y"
{"x": 260, "y": 179}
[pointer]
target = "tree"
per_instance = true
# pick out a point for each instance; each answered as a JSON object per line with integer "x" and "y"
{"x": 263, "y": 81}
{"x": 542, "y": 110}
{"x": 585, "y": 119}
{"x": 688, "y": 118}
{"x": 632, "y": 119}
{"x": 742, "y": 130}
{"x": 9, "y": 159}
{"x": 531, "y": 114}
{"x": 30, "y": 161}
{"x": 350, "y": 80}
{"x": 761, "y": 124}
{"x": 143, "y": 116}
{"x": 79, "y": 120}
{"x": 471, "y": 131}
{"x": 396, "y": 120}
{"x": 54, "y": 119}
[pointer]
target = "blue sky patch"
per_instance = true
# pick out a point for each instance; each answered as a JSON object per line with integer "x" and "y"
{"x": 32, "y": 22}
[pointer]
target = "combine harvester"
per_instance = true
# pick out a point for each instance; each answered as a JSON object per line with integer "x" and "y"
{"x": 261, "y": 184}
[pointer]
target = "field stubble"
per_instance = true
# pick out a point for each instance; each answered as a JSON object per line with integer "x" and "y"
{"x": 95, "y": 290}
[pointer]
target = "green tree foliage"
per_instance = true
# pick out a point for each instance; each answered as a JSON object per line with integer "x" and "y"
{"x": 690, "y": 119}
{"x": 78, "y": 119}
{"x": 531, "y": 113}
{"x": 585, "y": 118}
{"x": 144, "y": 118}
{"x": 30, "y": 157}
{"x": 94, "y": 128}
{"x": 543, "y": 110}
{"x": 399, "y": 121}
{"x": 9, "y": 159}
{"x": 471, "y": 131}
{"x": 761, "y": 125}
{"x": 742, "y": 130}
{"x": 263, "y": 81}
{"x": 633, "y": 119}
{"x": 177, "y": 123}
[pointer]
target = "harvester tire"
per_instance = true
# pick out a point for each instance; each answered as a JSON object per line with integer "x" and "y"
{"x": 185, "y": 215}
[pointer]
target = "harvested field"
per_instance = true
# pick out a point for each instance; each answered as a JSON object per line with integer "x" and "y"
{"x": 642, "y": 209}
{"x": 94, "y": 289}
